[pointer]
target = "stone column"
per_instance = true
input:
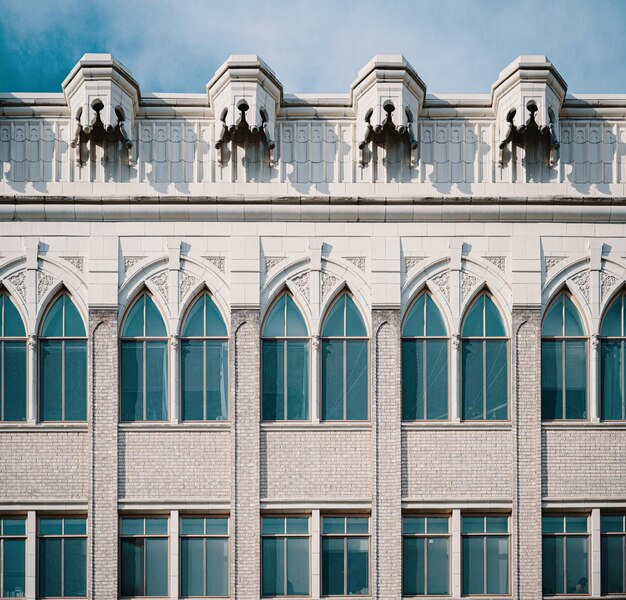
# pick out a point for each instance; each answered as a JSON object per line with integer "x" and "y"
{"x": 103, "y": 484}
{"x": 526, "y": 422}
{"x": 387, "y": 446}
{"x": 245, "y": 416}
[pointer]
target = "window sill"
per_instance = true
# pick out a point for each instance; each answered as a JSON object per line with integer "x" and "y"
{"x": 456, "y": 426}
{"x": 583, "y": 425}
{"x": 47, "y": 427}
{"x": 316, "y": 426}
{"x": 171, "y": 426}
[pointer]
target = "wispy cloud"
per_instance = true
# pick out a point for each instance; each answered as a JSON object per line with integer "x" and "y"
{"x": 175, "y": 45}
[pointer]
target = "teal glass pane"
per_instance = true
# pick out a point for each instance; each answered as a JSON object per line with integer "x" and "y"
{"x": 297, "y": 567}
{"x": 132, "y": 567}
{"x": 473, "y": 565}
{"x": 273, "y": 566}
{"x": 573, "y": 322}
{"x": 156, "y": 567}
{"x": 357, "y": 524}
{"x": 551, "y": 380}
{"x": 14, "y": 569}
{"x": 497, "y": 524}
{"x": 13, "y": 380}
{"x": 438, "y": 573}
{"x": 13, "y": 324}
{"x": 412, "y": 380}
{"x": 612, "y": 323}
{"x": 472, "y": 380}
{"x": 192, "y": 566}
{"x": 51, "y": 380}
{"x": 473, "y": 524}
{"x": 437, "y": 379}
{"x": 333, "y": 566}
{"x": 273, "y": 380}
{"x": 134, "y": 323}
{"x": 216, "y": 567}
{"x": 14, "y": 526}
{"x": 435, "y": 325}
{"x": 553, "y": 567}
{"x": 273, "y": 525}
{"x": 192, "y": 376}
{"x": 216, "y": 380}
{"x": 75, "y": 380}
{"x": 297, "y": 380}
{"x": 75, "y": 526}
{"x": 49, "y": 561}
{"x": 275, "y": 322}
{"x": 74, "y": 326}
{"x": 156, "y": 381}
{"x": 437, "y": 524}
{"x": 53, "y": 323}
{"x": 132, "y": 381}
{"x": 354, "y": 322}
{"x": 156, "y": 526}
{"x": 413, "y": 566}
{"x": 609, "y": 523}
{"x": 611, "y": 381}
{"x": 217, "y": 526}
{"x": 414, "y": 525}
{"x": 50, "y": 526}
{"x": 297, "y": 525}
{"x": 494, "y": 326}
{"x": 215, "y": 326}
{"x": 474, "y": 321}
{"x": 554, "y": 524}
{"x": 553, "y": 321}
{"x": 496, "y": 380}
{"x": 577, "y": 559}
{"x": 296, "y": 327}
{"x": 497, "y": 565}
{"x": 155, "y": 326}
{"x": 75, "y": 567}
{"x": 192, "y": 526}
{"x": 414, "y": 323}
{"x": 332, "y": 380}
{"x": 357, "y": 580}
{"x": 576, "y": 379}
{"x": 576, "y": 524}
{"x": 613, "y": 564}
{"x": 132, "y": 526}
{"x": 194, "y": 323}
{"x": 334, "y": 325}
{"x": 333, "y": 525}
{"x": 356, "y": 380}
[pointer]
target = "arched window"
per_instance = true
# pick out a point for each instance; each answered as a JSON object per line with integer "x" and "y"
{"x": 285, "y": 363}
{"x": 484, "y": 363}
{"x": 612, "y": 364}
{"x": 344, "y": 363}
{"x": 424, "y": 362}
{"x": 63, "y": 363}
{"x": 144, "y": 363}
{"x": 12, "y": 362}
{"x": 204, "y": 363}
{"x": 563, "y": 362}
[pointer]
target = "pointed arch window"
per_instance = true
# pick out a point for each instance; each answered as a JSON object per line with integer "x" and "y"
{"x": 12, "y": 361}
{"x": 424, "y": 362}
{"x": 63, "y": 363}
{"x": 204, "y": 363}
{"x": 612, "y": 363}
{"x": 484, "y": 356}
{"x": 144, "y": 363}
{"x": 344, "y": 363}
{"x": 285, "y": 363}
{"x": 563, "y": 362}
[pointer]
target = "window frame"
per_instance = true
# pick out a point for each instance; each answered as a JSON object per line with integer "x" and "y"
{"x": 612, "y": 534}
{"x": 3, "y": 538}
{"x": 4, "y": 339}
{"x": 603, "y": 339}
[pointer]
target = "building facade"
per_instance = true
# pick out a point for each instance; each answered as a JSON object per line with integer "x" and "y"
{"x": 257, "y": 345}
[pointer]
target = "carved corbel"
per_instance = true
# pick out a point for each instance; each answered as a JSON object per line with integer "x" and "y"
{"x": 414, "y": 145}
{"x": 509, "y": 136}
{"x": 271, "y": 145}
{"x": 75, "y": 144}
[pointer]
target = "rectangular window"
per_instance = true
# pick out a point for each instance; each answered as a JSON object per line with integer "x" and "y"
{"x": 425, "y": 556}
{"x": 203, "y": 556}
{"x": 613, "y": 557}
{"x": 285, "y": 556}
{"x": 345, "y": 556}
{"x": 62, "y": 557}
{"x": 144, "y": 556}
{"x": 485, "y": 555}
{"x": 13, "y": 557}
{"x": 565, "y": 555}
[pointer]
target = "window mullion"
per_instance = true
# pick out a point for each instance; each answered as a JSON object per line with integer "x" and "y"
{"x": 285, "y": 376}
{"x": 485, "y": 563}
{"x": 285, "y": 559}
{"x": 63, "y": 378}
{"x": 345, "y": 379}
{"x": 204, "y": 382}
{"x": 564, "y": 582}
{"x": 63, "y": 564}
{"x": 425, "y": 564}
{"x": 424, "y": 375}
{"x": 564, "y": 381}
{"x": 204, "y": 587}
{"x": 2, "y": 377}
{"x": 345, "y": 565}
{"x": 484, "y": 379}
{"x": 621, "y": 374}
{"x": 144, "y": 375}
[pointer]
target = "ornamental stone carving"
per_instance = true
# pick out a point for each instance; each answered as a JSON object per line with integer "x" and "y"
{"x": 357, "y": 261}
{"x": 217, "y": 261}
{"x": 131, "y": 261}
{"x": 412, "y": 261}
{"x": 468, "y": 283}
{"x": 498, "y": 261}
{"x": 303, "y": 283}
{"x": 595, "y": 342}
{"x": 44, "y": 283}
{"x": 607, "y": 281}
{"x": 582, "y": 281}
{"x": 552, "y": 261}
{"x": 174, "y": 341}
{"x": 272, "y": 261}
{"x": 161, "y": 283}
{"x": 32, "y": 343}
{"x": 186, "y": 282}
{"x": 328, "y": 283}
{"x": 315, "y": 342}
{"x": 442, "y": 281}
{"x": 456, "y": 341}
{"x": 76, "y": 261}
{"x": 18, "y": 281}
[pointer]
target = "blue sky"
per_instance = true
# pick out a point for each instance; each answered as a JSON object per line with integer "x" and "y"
{"x": 456, "y": 46}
